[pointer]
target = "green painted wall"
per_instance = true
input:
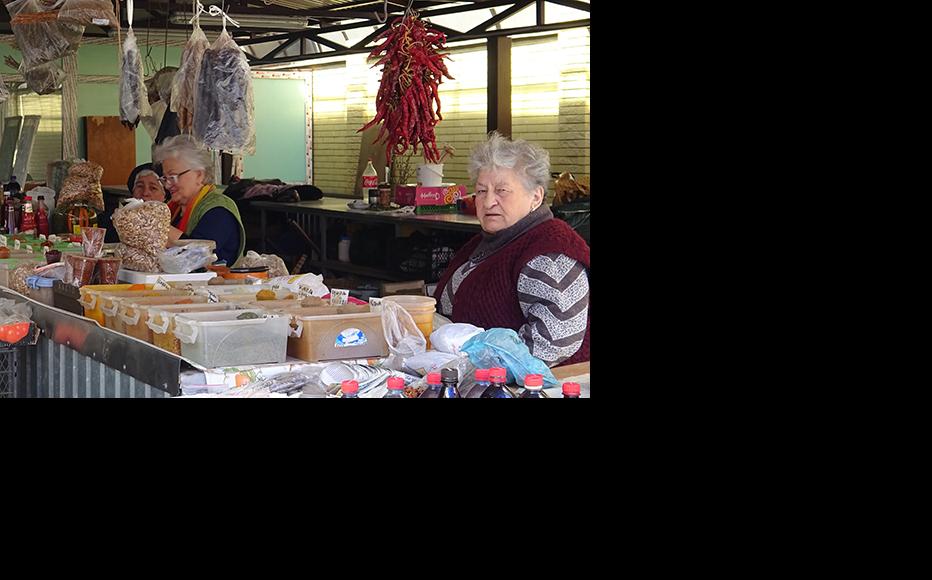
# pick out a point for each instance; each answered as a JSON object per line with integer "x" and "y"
{"x": 280, "y": 119}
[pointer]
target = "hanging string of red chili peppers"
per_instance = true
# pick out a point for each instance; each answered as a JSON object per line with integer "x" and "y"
{"x": 412, "y": 70}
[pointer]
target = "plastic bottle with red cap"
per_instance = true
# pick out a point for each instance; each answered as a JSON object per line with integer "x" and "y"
{"x": 571, "y": 390}
{"x": 396, "y": 387}
{"x": 450, "y": 378}
{"x": 497, "y": 389}
{"x": 482, "y": 380}
{"x": 434, "y": 387}
{"x": 350, "y": 389}
{"x": 534, "y": 387}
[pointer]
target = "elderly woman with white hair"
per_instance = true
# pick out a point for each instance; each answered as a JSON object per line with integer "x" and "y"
{"x": 199, "y": 211}
{"x": 526, "y": 270}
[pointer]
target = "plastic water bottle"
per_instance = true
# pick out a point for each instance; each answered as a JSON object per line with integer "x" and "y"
{"x": 350, "y": 389}
{"x": 450, "y": 378}
{"x": 434, "y": 387}
{"x": 534, "y": 387}
{"x": 497, "y": 388}
{"x": 571, "y": 390}
{"x": 396, "y": 387}
{"x": 343, "y": 249}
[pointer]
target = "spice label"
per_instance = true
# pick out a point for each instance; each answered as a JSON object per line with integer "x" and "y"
{"x": 305, "y": 290}
{"x": 3, "y": 241}
{"x": 190, "y": 289}
{"x": 17, "y": 244}
{"x": 29, "y": 249}
{"x": 161, "y": 284}
{"x": 338, "y": 296}
{"x": 212, "y": 298}
{"x": 375, "y": 304}
{"x": 101, "y": 21}
{"x": 45, "y": 250}
{"x": 42, "y": 237}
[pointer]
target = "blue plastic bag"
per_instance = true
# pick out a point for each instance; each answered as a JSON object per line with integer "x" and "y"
{"x": 503, "y": 347}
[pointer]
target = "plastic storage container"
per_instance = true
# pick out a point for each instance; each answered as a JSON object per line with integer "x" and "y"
{"x": 336, "y": 332}
{"x": 40, "y": 289}
{"x": 218, "y": 339}
{"x": 110, "y": 303}
{"x": 90, "y": 294}
{"x": 161, "y": 322}
{"x": 421, "y": 309}
{"x": 133, "y": 313}
{"x": 196, "y": 279}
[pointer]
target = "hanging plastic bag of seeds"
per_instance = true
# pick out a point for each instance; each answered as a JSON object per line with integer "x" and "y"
{"x": 184, "y": 84}
{"x": 87, "y": 12}
{"x": 45, "y": 78}
{"x": 224, "y": 117}
{"x": 4, "y": 93}
{"x": 144, "y": 226}
{"x": 134, "y": 99}
{"x": 40, "y": 36}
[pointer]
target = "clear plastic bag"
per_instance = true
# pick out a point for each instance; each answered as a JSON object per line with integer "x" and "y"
{"x": 40, "y": 35}
{"x": 92, "y": 241}
{"x": 137, "y": 260}
{"x": 184, "y": 83}
{"x": 12, "y": 312}
{"x": 144, "y": 226}
{"x": 134, "y": 99}
{"x": 451, "y": 337}
{"x": 403, "y": 336}
{"x": 224, "y": 105}
{"x": 276, "y": 265}
{"x": 87, "y": 12}
{"x": 4, "y": 92}
{"x": 44, "y": 78}
{"x": 82, "y": 186}
{"x": 502, "y": 347}
{"x": 184, "y": 259}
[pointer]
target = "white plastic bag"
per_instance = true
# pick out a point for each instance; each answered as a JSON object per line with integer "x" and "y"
{"x": 134, "y": 99}
{"x": 184, "y": 83}
{"x": 403, "y": 336}
{"x": 277, "y": 268}
{"x": 303, "y": 284}
{"x": 450, "y": 337}
{"x": 430, "y": 362}
{"x": 184, "y": 259}
{"x": 224, "y": 117}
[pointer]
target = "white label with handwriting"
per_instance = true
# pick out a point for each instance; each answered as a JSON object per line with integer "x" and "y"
{"x": 161, "y": 284}
{"x": 338, "y": 296}
{"x": 211, "y": 297}
{"x": 305, "y": 290}
{"x": 3, "y": 241}
{"x": 17, "y": 245}
{"x": 375, "y": 304}
{"x": 45, "y": 250}
{"x": 29, "y": 249}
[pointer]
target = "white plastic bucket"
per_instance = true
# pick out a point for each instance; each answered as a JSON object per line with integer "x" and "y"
{"x": 430, "y": 174}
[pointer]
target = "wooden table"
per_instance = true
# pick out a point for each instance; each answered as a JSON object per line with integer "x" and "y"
{"x": 316, "y": 213}
{"x": 571, "y": 370}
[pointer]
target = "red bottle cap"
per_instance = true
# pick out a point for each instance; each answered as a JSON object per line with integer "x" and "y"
{"x": 534, "y": 381}
{"x": 396, "y": 383}
{"x": 498, "y": 373}
{"x": 349, "y": 386}
{"x": 434, "y": 379}
{"x": 482, "y": 375}
{"x": 570, "y": 388}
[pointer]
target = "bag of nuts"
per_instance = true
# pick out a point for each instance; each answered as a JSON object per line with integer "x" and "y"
{"x": 144, "y": 226}
{"x": 137, "y": 260}
{"x": 83, "y": 186}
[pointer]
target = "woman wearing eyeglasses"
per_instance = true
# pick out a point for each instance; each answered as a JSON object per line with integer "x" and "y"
{"x": 198, "y": 210}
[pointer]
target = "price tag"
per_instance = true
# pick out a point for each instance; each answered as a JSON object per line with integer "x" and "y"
{"x": 3, "y": 241}
{"x": 338, "y": 296}
{"x": 190, "y": 289}
{"x": 375, "y": 304}
{"x": 42, "y": 237}
{"x": 212, "y": 298}
{"x": 161, "y": 284}
{"x": 17, "y": 245}
{"x": 101, "y": 21}
{"x": 29, "y": 249}
{"x": 45, "y": 250}
{"x": 252, "y": 280}
{"x": 305, "y": 290}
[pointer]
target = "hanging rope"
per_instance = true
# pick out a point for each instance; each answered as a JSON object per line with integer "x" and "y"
{"x": 69, "y": 95}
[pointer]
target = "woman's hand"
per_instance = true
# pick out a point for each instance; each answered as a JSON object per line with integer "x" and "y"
{"x": 174, "y": 234}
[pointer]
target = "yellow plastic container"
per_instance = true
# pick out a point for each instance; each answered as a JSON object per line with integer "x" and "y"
{"x": 109, "y": 303}
{"x": 161, "y": 322}
{"x": 421, "y": 309}
{"x": 133, "y": 313}
{"x": 89, "y": 298}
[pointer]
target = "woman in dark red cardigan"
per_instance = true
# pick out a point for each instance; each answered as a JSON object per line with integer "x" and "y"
{"x": 526, "y": 271}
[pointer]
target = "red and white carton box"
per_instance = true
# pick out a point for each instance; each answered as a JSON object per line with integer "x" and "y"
{"x": 443, "y": 195}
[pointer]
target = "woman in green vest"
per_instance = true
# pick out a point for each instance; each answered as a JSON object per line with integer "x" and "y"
{"x": 199, "y": 211}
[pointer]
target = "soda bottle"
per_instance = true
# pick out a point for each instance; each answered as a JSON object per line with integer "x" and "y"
{"x": 482, "y": 380}
{"x": 450, "y": 378}
{"x": 434, "y": 387}
{"x": 571, "y": 390}
{"x": 534, "y": 387}
{"x": 497, "y": 389}
{"x": 396, "y": 387}
{"x": 370, "y": 181}
{"x": 27, "y": 221}
{"x": 42, "y": 217}
{"x": 350, "y": 389}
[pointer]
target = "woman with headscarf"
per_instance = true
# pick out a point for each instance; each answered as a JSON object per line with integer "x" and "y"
{"x": 143, "y": 183}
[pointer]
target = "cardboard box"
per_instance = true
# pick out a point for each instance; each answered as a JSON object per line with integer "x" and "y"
{"x": 436, "y": 209}
{"x": 415, "y": 288}
{"x": 439, "y": 196}
{"x": 405, "y": 194}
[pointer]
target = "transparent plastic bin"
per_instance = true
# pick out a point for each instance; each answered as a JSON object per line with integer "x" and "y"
{"x": 109, "y": 304}
{"x": 336, "y": 333}
{"x": 195, "y": 279}
{"x": 161, "y": 322}
{"x": 133, "y": 313}
{"x": 90, "y": 294}
{"x": 218, "y": 339}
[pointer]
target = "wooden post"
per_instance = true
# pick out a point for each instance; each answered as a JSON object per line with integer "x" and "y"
{"x": 499, "y": 86}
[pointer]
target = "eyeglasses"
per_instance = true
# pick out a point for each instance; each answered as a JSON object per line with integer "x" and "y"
{"x": 171, "y": 179}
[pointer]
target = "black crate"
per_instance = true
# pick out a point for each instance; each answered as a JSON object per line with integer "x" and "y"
{"x": 66, "y": 297}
